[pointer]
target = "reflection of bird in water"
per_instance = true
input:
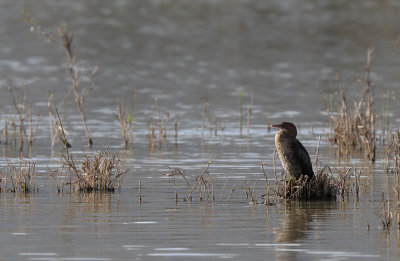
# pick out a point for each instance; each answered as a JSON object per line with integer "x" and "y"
{"x": 294, "y": 157}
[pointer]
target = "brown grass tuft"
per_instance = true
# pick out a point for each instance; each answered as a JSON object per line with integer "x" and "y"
{"x": 101, "y": 172}
{"x": 322, "y": 186}
{"x": 18, "y": 177}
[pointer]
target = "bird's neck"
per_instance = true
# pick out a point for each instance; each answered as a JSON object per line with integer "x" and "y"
{"x": 282, "y": 136}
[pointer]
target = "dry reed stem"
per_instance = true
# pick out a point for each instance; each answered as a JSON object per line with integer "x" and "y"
{"x": 80, "y": 95}
{"x": 73, "y": 70}
{"x": 223, "y": 189}
{"x": 158, "y": 123}
{"x": 177, "y": 171}
{"x": 189, "y": 197}
{"x": 140, "y": 192}
{"x": 203, "y": 184}
{"x": 176, "y": 129}
{"x": 230, "y": 194}
{"x": 23, "y": 136}
{"x": 386, "y": 215}
{"x": 127, "y": 123}
{"x": 266, "y": 199}
{"x": 59, "y": 129}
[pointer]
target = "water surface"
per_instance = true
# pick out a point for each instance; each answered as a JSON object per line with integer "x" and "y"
{"x": 165, "y": 59}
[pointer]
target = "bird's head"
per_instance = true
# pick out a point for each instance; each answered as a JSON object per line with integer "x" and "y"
{"x": 287, "y": 127}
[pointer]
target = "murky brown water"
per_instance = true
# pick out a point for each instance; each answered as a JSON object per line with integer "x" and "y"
{"x": 181, "y": 53}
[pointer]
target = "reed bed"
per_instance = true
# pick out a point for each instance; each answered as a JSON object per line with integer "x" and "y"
{"x": 353, "y": 123}
{"x": 102, "y": 172}
{"x": 18, "y": 177}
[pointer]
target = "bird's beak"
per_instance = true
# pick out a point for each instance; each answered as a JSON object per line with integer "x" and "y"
{"x": 279, "y": 126}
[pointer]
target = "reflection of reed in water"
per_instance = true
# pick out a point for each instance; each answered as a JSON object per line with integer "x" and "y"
{"x": 296, "y": 221}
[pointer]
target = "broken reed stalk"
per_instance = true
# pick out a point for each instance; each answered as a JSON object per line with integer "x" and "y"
{"x": 223, "y": 188}
{"x": 24, "y": 137}
{"x": 127, "y": 123}
{"x": 386, "y": 216}
{"x": 22, "y": 132}
{"x": 73, "y": 71}
{"x": 230, "y": 194}
{"x": 32, "y": 130}
{"x": 5, "y": 133}
{"x": 240, "y": 112}
{"x": 172, "y": 173}
{"x": 249, "y": 110}
{"x": 266, "y": 199}
{"x": 205, "y": 115}
{"x": 158, "y": 123}
{"x": 248, "y": 121}
{"x": 140, "y": 192}
{"x": 122, "y": 123}
{"x": 176, "y": 129}
{"x": 269, "y": 125}
{"x": 189, "y": 197}
{"x": 215, "y": 126}
{"x": 162, "y": 129}
{"x": 176, "y": 191}
{"x": 59, "y": 126}
{"x": 317, "y": 153}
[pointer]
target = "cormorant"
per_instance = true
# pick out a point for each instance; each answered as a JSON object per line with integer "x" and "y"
{"x": 294, "y": 157}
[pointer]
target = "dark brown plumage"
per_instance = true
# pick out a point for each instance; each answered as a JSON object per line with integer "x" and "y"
{"x": 294, "y": 157}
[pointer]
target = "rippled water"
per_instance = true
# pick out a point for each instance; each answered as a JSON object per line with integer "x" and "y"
{"x": 167, "y": 58}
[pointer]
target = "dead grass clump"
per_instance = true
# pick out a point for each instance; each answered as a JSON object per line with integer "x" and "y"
{"x": 101, "y": 172}
{"x": 18, "y": 177}
{"x": 354, "y": 126}
{"x": 323, "y": 186}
